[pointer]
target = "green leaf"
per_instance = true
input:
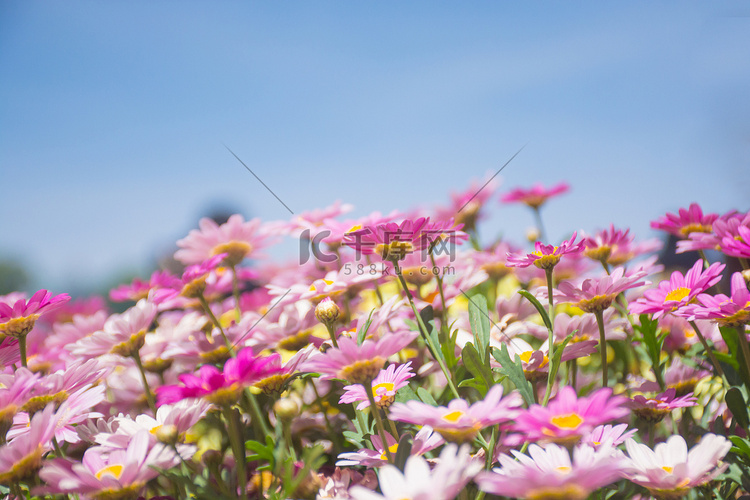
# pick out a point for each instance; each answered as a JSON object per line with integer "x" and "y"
{"x": 479, "y": 319}
{"x": 737, "y": 406}
{"x": 405, "y": 394}
{"x": 476, "y": 367}
{"x": 475, "y": 383}
{"x": 539, "y": 307}
{"x": 514, "y": 371}
{"x": 426, "y": 397}
{"x": 557, "y": 356}
{"x": 362, "y": 332}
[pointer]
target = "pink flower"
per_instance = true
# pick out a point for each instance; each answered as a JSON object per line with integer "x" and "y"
{"x": 545, "y": 256}
{"x": 726, "y": 311}
{"x": 549, "y": 472}
{"x": 466, "y": 206}
{"x": 22, "y": 456}
{"x": 616, "y": 247}
{"x": 685, "y": 222}
{"x": 594, "y": 295}
{"x": 391, "y": 241}
{"x": 567, "y": 418}
{"x": 678, "y": 291}
{"x": 18, "y": 320}
{"x": 221, "y": 387}
{"x": 384, "y": 387}
{"x": 118, "y": 473}
{"x": 424, "y": 441}
{"x": 670, "y": 471}
{"x": 459, "y": 422}
{"x": 237, "y": 238}
{"x": 535, "y": 196}
{"x": 358, "y": 364}
{"x": 454, "y": 470}
{"x": 608, "y": 435}
{"x": 140, "y": 289}
{"x": 656, "y": 408}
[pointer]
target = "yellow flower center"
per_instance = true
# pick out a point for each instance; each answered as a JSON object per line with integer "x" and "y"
{"x": 453, "y": 416}
{"x": 677, "y": 294}
{"x": 236, "y": 251}
{"x": 668, "y": 469}
{"x": 570, "y": 421}
{"x": 388, "y": 386}
{"x": 155, "y": 429}
{"x": 114, "y": 470}
{"x": 392, "y": 448}
{"x": 564, "y": 469}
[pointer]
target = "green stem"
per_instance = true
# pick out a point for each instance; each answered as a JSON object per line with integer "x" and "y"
{"x": 439, "y": 279}
{"x": 709, "y": 351}
{"x": 257, "y": 414}
{"x": 215, "y": 321}
{"x": 332, "y": 334}
{"x": 539, "y": 225}
{"x": 378, "y": 420}
{"x": 602, "y": 345}
{"x": 550, "y": 354}
{"x": 56, "y": 446}
{"x": 149, "y": 395}
{"x": 22, "y": 347}
{"x": 424, "y": 331}
{"x": 238, "y": 448}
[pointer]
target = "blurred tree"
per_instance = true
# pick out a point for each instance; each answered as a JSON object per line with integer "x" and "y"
{"x": 13, "y": 276}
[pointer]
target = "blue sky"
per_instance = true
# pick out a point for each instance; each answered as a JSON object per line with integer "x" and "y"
{"x": 113, "y": 115}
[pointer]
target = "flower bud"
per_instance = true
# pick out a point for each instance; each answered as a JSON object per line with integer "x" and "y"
{"x": 327, "y": 311}
{"x": 286, "y": 409}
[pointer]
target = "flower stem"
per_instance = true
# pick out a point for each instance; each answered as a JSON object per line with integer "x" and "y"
{"x": 378, "y": 420}
{"x": 439, "y": 278}
{"x": 22, "y": 347}
{"x": 602, "y": 345}
{"x": 550, "y": 354}
{"x": 709, "y": 351}
{"x": 539, "y": 225}
{"x": 332, "y": 334}
{"x": 215, "y": 321}
{"x": 238, "y": 448}
{"x": 424, "y": 331}
{"x": 149, "y": 395}
{"x": 257, "y": 414}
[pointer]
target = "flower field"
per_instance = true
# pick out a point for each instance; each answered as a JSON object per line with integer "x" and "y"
{"x": 396, "y": 358}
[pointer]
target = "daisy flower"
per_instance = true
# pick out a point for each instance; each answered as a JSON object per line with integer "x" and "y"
{"x": 686, "y": 221}
{"x": 567, "y": 418}
{"x": 221, "y": 387}
{"x": 108, "y": 473}
{"x": 140, "y": 289}
{"x": 358, "y": 364}
{"x": 275, "y": 383}
{"x": 425, "y": 440}
{"x": 459, "y": 422}
{"x": 391, "y": 241}
{"x": 454, "y": 470}
{"x": 549, "y": 473}
{"x": 17, "y": 319}
{"x": 675, "y": 293}
{"x": 616, "y": 247}
{"x": 466, "y": 206}
{"x": 596, "y": 295}
{"x": 236, "y": 238}
{"x": 612, "y": 435}
{"x": 726, "y": 311}
{"x": 669, "y": 470}
{"x": 384, "y": 387}
{"x": 22, "y": 456}
{"x": 656, "y": 408}
{"x": 545, "y": 256}
{"x": 536, "y": 196}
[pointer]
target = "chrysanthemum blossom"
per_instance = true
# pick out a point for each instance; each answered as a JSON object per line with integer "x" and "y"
{"x": 567, "y": 418}
{"x": 22, "y": 456}
{"x": 596, "y": 295}
{"x": 656, "y": 408}
{"x": 19, "y": 319}
{"x": 545, "y": 256}
{"x": 536, "y": 196}
{"x": 669, "y": 470}
{"x": 455, "y": 468}
{"x": 384, "y": 387}
{"x": 425, "y": 440}
{"x": 193, "y": 282}
{"x": 726, "y": 311}
{"x": 608, "y": 435}
{"x": 237, "y": 238}
{"x": 459, "y": 422}
{"x": 673, "y": 294}
{"x": 358, "y": 364}
{"x": 276, "y": 382}
{"x": 221, "y": 387}
{"x": 105, "y": 473}
{"x": 391, "y": 241}
{"x": 615, "y": 247}
{"x": 549, "y": 473}
{"x": 685, "y": 221}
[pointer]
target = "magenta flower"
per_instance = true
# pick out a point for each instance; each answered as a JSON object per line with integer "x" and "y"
{"x": 358, "y": 364}
{"x": 108, "y": 473}
{"x": 545, "y": 256}
{"x": 686, "y": 221}
{"x": 595, "y": 295}
{"x": 391, "y": 241}
{"x": 670, "y": 471}
{"x": 466, "y": 206}
{"x": 608, "y": 435}
{"x": 616, "y": 247}
{"x": 674, "y": 294}
{"x": 656, "y": 408}
{"x": 726, "y": 311}
{"x": 424, "y": 441}
{"x": 22, "y": 456}
{"x": 459, "y": 422}
{"x": 18, "y": 320}
{"x": 237, "y": 238}
{"x": 140, "y": 289}
{"x": 567, "y": 418}
{"x": 536, "y": 196}
{"x": 221, "y": 387}
{"x": 384, "y": 387}
{"x": 550, "y": 473}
